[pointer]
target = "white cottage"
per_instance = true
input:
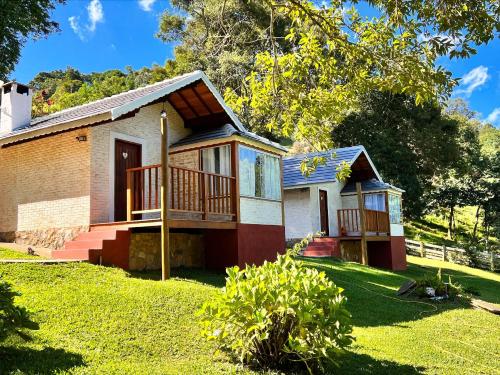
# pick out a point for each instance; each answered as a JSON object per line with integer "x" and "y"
{"x": 359, "y": 219}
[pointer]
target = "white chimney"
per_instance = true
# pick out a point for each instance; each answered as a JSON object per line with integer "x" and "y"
{"x": 15, "y": 106}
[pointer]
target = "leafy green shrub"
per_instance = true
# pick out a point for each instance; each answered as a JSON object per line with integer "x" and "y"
{"x": 441, "y": 288}
{"x": 279, "y": 313}
{"x": 11, "y": 316}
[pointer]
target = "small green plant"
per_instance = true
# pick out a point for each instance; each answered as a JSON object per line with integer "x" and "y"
{"x": 439, "y": 287}
{"x": 12, "y": 317}
{"x": 279, "y": 313}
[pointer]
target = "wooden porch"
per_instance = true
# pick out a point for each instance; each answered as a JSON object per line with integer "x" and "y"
{"x": 376, "y": 223}
{"x": 196, "y": 199}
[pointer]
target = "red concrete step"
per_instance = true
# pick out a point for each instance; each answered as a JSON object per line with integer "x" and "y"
{"x": 319, "y": 248}
{"x": 96, "y": 235}
{"x": 83, "y": 254}
{"x": 329, "y": 240}
{"x": 83, "y": 244}
{"x": 317, "y": 253}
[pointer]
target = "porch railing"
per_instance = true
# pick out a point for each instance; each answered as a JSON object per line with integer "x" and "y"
{"x": 190, "y": 191}
{"x": 349, "y": 221}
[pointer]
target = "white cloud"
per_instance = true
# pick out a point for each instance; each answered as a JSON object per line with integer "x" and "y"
{"x": 494, "y": 117}
{"x": 473, "y": 80}
{"x": 73, "y": 22}
{"x": 146, "y": 5}
{"x": 96, "y": 14}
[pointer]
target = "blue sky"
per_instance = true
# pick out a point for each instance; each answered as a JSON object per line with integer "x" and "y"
{"x": 97, "y": 35}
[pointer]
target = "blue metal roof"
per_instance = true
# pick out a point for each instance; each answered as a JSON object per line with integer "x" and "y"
{"x": 292, "y": 176}
{"x": 370, "y": 185}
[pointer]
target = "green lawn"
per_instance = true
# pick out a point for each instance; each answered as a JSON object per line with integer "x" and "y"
{"x": 97, "y": 320}
{"x": 13, "y": 254}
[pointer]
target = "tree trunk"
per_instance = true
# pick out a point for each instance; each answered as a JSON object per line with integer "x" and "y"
{"x": 450, "y": 223}
{"x": 474, "y": 232}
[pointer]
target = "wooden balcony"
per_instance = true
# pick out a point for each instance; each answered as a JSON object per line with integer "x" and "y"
{"x": 376, "y": 223}
{"x": 193, "y": 196}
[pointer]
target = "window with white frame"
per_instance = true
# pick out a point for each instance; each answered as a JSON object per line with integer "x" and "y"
{"x": 260, "y": 175}
{"x": 217, "y": 160}
{"x": 395, "y": 208}
{"x": 375, "y": 201}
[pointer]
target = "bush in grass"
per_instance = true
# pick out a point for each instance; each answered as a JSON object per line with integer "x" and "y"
{"x": 441, "y": 288}
{"x": 279, "y": 313}
{"x": 12, "y": 317}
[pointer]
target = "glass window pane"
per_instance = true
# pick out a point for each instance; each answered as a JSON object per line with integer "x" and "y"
{"x": 395, "y": 209}
{"x": 259, "y": 174}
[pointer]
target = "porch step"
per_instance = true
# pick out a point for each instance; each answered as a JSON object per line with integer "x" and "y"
{"x": 322, "y": 247}
{"x": 90, "y": 255}
{"x": 104, "y": 245}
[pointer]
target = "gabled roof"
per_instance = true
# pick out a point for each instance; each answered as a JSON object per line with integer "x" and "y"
{"x": 325, "y": 172}
{"x": 113, "y": 107}
{"x": 224, "y": 131}
{"x": 370, "y": 185}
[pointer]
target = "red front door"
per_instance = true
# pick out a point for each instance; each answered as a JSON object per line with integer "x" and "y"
{"x": 127, "y": 155}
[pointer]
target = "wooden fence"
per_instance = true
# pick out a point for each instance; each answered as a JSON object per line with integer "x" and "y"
{"x": 451, "y": 254}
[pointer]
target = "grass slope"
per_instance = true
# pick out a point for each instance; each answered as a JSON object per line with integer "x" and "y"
{"x": 105, "y": 321}
{"x": 434, "y": 228}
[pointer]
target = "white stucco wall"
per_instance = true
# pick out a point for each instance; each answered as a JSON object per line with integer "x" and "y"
{"x": 298, "y": 222}
{"x": 397, "y": 230}
{"x": 260, "y": 211}
{"x": 334, "y": 203}
{"x": 302, "y": 215}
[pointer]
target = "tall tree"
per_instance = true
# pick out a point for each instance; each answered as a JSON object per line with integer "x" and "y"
{"x": 20, "y": 20}
{"x": 219, "y": 37}
{"x": 335, "y": 56}
{"x": 410, "y": 144}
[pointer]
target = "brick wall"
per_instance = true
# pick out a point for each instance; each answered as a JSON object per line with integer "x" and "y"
{"x": 45, "y": 183}
{"x": 144, "y": 127}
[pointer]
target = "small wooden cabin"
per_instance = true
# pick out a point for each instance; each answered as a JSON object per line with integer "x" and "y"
{"x": 359, "y": 219}
{"x": 86, "y": 181}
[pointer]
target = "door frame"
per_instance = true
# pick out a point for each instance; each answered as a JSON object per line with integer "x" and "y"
{"x": 327, "y": 233}
{"x": 113, "y": 137}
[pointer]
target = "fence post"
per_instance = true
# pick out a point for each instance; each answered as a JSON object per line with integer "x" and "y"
{"x": 422, "y": 250}
{"x": 444, "y": 253}
{"x": 492, "y": 261}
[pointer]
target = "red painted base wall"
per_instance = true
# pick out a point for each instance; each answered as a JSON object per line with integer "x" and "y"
{"x": 248, "y": 244}
{"x": 388, "y": 254}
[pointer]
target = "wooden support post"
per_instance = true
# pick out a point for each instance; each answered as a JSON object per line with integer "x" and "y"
{"x": 165, "y": 250}
{"x": 361, "y": 207}
{"x": 444, "y": 253}
{"x": 422, "y": 250}
{"x": 130, "y": 195}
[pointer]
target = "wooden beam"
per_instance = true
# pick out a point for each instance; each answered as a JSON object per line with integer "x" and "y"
{"x": 130, "y": 195}
{"x": 201, "y": 100}
{"x": 181, "y": 95}
{"x": 282, "y": 193}
{"x": 361, "y": 207}
{"x": 165, "y": 250}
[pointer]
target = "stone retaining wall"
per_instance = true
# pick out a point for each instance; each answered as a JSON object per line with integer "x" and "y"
{"x": 186, "y": 249}
{"x": 52, "y": 238}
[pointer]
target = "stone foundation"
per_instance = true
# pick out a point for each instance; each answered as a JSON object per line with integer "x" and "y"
{"x": 186, "y": 250}
{"x": 53, "y": 238}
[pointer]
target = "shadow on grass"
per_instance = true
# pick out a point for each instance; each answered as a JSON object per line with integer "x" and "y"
{"x": 371, "y": 294}
{"x": 213, "y": 278}
{"x": 354, "y": 363}
{"x": 32, "y": 361}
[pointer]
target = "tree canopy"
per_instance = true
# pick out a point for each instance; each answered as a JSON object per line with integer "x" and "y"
{"x": 20, "y": 20}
